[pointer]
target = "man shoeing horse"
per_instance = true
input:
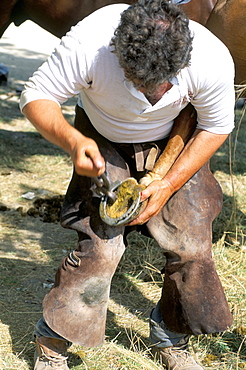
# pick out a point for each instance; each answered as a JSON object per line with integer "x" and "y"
{"x": 142, "y": 73}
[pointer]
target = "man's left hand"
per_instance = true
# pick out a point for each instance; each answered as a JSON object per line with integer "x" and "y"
{"x": 157, "y": 193}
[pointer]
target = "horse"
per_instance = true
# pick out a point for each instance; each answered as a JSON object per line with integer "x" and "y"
{"x": 57, "y": 16}
{"x": 198, "y": 10}
{"x": 225, "y": 18}
{"x": 227, "y": 22}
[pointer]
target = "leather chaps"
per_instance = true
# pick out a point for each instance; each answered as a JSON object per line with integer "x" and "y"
{"x": 193, "y": 300}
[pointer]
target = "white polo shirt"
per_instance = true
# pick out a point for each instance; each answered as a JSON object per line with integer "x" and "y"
{"x": 84, "y": 64}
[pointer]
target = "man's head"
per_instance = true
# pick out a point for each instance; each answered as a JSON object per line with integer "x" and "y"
{"x": 152, "y": 42}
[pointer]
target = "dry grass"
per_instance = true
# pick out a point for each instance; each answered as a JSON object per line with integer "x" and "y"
{"x": 31, "y": 251}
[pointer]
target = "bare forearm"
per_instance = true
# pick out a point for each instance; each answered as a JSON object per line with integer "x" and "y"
{"x": 48, "y": 119}
{"x": 196, "y": 153}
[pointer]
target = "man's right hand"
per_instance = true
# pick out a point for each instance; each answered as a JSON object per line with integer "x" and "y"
{"x": 47, "y": 117}
{"x": 87, "y": 159}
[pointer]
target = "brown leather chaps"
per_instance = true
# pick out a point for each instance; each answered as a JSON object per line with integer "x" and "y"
{"x": 192, "y": 302}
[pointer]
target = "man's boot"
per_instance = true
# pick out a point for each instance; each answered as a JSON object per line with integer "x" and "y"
{"x": 50, "y": 354}
{"x": 177, "y": 357}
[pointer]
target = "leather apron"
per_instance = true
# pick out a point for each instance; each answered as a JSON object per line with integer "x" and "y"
{"x": 192, "y": 302}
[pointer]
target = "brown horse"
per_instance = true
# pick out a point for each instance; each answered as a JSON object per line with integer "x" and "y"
{"x": 57, "y": 16}
{"x": 199, "y": 10}
{"x": 226, "y": 19}
{"x": 228, "y": 22}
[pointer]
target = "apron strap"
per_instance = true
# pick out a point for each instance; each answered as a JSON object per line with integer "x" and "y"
{"x": 146, "y": 155}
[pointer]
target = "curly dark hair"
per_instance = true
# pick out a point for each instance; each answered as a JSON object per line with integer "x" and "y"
{"x": 152, "y": 42}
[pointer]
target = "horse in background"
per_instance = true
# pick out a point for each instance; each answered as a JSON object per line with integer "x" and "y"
{"x": 225, "y": 18}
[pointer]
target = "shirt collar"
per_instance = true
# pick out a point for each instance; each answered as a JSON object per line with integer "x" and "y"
{"x": 174, "y": 80}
